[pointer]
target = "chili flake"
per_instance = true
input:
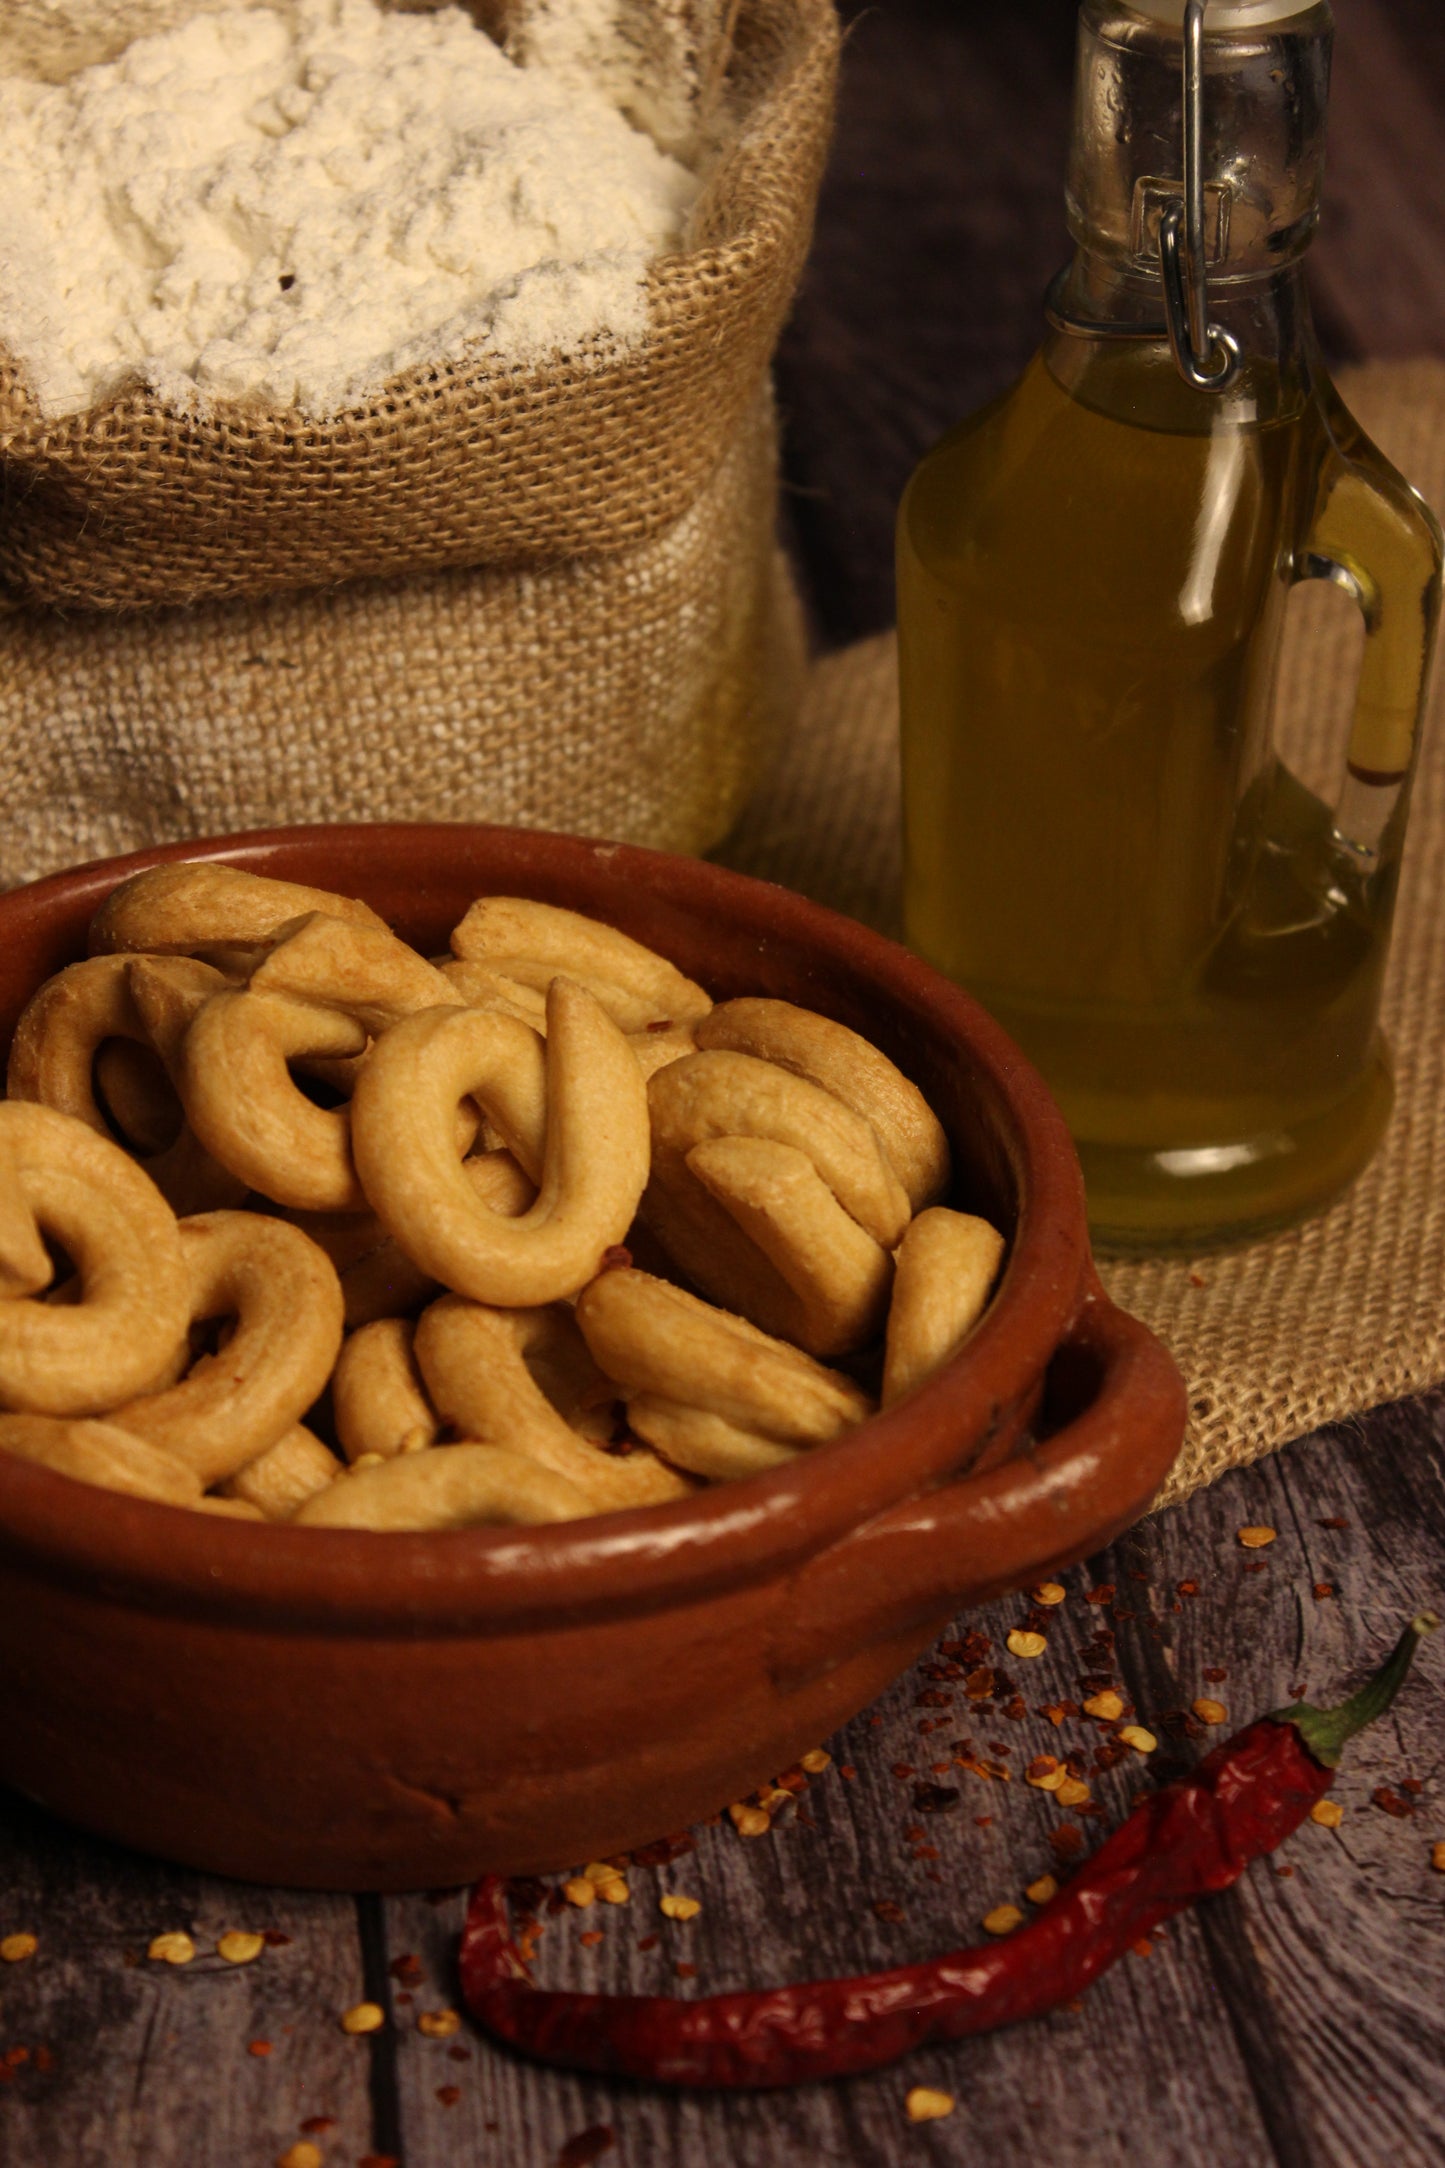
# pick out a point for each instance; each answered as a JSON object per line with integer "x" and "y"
{"x": 815, "y": 1761}
{"x": 1026, "y": 1644}
{"x": 1046, "y": 1773}
{"x": 1322, "y": 1590}
{"x": 363, "y": 2017}
{"x": 239, "y": 1947}
{"x": 16, "y": 1948}
{"x": 438, "y": 2024}
{"x": 1002, "y": 1920}
{"x": 1255, "y": 1539}
{"x": 1328, "y": 1813}
{"x": 681, "y": 1908}
{"x": 1049, "y": 1592}
{"x": 1107, "y": 1706}
{"x": 449, "y": 2095}
{"x": 590, "y": 1939}
{"x": 1134, "y": 1735}
{"x": 1391, "y": 1802}
{"x": 1039, "y": 1893}
{"x": 172, "y": 1949}
{"x": 924, "y": 2104}
{"x": 1104, "y": 1593}
{"x": 1209, "y": 1712}
{"x": 259, "y": 2048}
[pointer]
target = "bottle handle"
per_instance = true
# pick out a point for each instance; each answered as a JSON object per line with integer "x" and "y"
{"x": 1373, "y": 535}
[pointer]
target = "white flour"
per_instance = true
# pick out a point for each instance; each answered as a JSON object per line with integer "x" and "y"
{"x": 292, "y": 203}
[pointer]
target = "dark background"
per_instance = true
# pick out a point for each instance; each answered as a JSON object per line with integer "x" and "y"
{"x": 942, "y": 221}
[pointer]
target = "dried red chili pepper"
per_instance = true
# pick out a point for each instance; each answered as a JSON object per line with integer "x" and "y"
{"x": 1188, "y": 1840}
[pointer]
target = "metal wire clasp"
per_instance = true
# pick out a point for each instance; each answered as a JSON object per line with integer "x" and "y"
{"x": 1205, "y": 354}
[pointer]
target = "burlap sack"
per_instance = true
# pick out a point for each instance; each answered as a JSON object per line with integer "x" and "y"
{"x": 463, "y": 464}
{"x": 624, "y": 644}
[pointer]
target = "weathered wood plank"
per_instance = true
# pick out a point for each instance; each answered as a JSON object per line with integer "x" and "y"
{"x": 145, "y": 2062}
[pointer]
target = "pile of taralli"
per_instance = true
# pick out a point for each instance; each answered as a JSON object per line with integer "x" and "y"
{"x": 401, "y": 1199}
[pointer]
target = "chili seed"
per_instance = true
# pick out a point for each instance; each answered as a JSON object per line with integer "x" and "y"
{"x": 172, "y": 1949}
{"x": 815, "y": 1761}
{"x": 1134, "y": 1735}
{"x": 1328, "y": 1813}
{"x": 1039, "y": 1893}
{"x": 1049, "y": 1592}
{"x": 301, "y": 2155}
{"x": 1072, "y": 1793}
{"x": 1437, "y": 1857}
{"x": 749, "y": 1821}
{"x": 16, "y": 1948}
{"x": 363, "y": 2017}
{"x": 1255, "y": 1539}
{"x": 925, "y": 2104}
{"x": 681, "y": 1908}
{"x": 579, "y": 1891}
{"x": 1107, "y": 1706}
{"x": 238, "y": 1947}
{"x": 1002, "y": 1920}
{"x": 1209, "y": 1712}
{"x": 1026, "y": 1644}
{"x": 439, "y": 2024}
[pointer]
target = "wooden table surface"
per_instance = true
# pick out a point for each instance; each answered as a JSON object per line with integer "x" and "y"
{"x": 1298, "y": 2019}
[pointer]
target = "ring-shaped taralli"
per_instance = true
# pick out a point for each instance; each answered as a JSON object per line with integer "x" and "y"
{"x": 449, "y": 1486}
{"x": 594, "y": 1161}
{"x": 198, "y": 905}
{"x": 243, "y": 1103}
{"x": 946, "y": 1266}
{"x": 479, "y": 1365}
{"x": 658, "y": 1340}
{"x": 852, "y": 1069}
{"x": 383, "y": 1281}
{"x": 286, "y": 1299}
{"x": 378, "y": 1400}
{"x": 100, "y": 1453}
{"x": 73, "y": 1018}
{"x": 534, "y": 943}
{"x": 365, "y": 972}
{"x": 83, "y": 1357}
{"x": 280, "y": 1480}
{"x": 774, "y": 1197}
{"x": 704, "y": 1443}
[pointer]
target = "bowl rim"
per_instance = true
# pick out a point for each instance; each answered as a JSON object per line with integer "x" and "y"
{"x": 729, "y": 1535}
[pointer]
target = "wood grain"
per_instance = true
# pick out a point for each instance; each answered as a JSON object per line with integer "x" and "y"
{"x": 1300, "y": 2019}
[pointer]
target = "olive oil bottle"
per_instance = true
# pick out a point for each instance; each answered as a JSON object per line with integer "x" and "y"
{"x": 1100, "y": 840}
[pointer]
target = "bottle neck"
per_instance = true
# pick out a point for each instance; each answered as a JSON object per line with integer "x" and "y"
{"x": 1107, "y": 342}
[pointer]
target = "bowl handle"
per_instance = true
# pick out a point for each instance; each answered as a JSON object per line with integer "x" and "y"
{"x": 1113, "y": 1419}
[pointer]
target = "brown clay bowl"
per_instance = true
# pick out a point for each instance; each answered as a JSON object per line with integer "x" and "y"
{"x": 356, "y": 1711}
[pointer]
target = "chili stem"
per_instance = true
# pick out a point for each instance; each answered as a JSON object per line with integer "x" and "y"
{"x": 1326, "y": 1731}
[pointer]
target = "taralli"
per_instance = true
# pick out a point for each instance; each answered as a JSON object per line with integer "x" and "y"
{"x": 454, "y": 1486}
{"x": 197, "y": 907}
{"x": 377, "y": 1398}
{"x": 83, "y": 1357}
{"x": 91, "y": 1009}
{"x": 243, "y": 1103}
{"x": 536, "y": 942}
{"x": 596, "y": 1144}
{"x": 102, "y": 1454}
{"x": 285, "y": 1297}
{"x": 280, "y": 1480}
{"x": 364, "y": 972}
{"x": 534, "y": 1134}
{"x": 946, "y": 1266}
{"x": 775, "y": 1198}
{"x": 853, "y": 1070}
{"x": 479, "y": 1364}
{"x": 679, "y": 1360}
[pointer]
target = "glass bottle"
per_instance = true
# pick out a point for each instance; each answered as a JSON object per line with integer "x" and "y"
{"x": 1100, "y": 839}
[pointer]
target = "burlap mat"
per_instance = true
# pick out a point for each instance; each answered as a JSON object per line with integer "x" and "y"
{"x": 1330, "y": 1319}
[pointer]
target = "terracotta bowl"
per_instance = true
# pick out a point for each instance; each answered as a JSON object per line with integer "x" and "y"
{"x": 356, "y": 1711}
